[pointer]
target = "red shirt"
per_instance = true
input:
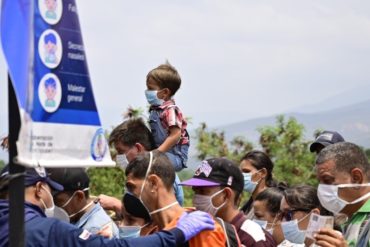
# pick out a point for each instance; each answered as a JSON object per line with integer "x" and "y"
{"x": 250, "y": 233}
{"x": 172, "y": 116}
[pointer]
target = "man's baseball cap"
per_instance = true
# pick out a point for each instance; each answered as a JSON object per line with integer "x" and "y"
{"x": 217, "y": 172}
{"x": 72, "y": 179}
{"x": 32, "y": 176}
{"x": 326, "y": 138}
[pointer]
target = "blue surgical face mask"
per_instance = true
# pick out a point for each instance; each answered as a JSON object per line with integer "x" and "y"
{"x": 261, "y": 223}
{"x": 152, "y": 98}
{"x": 129, "y": 232}
{"x": 249, "y": 185}
{"x": 292, "y": 232}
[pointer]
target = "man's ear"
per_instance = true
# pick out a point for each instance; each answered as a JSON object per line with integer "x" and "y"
{"x": 38, "y": 189}
{"x": 80, "y": 195}
{"x": 228, "y": 192}
{"x": 153, "y": 182}
{"x": 357, "y": 176}
{"x": 140, "y": 148}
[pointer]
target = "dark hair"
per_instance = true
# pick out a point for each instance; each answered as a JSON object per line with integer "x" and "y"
{"x": 161, "y": 166}
{"x": 50, "y": 38}
{"x": 260, "y": 160}
{"x": 302, "y": 197}
{"x": 166, "y": 76}
{"x": 132, "y": 131}
{"x": 50, "y": 83}
{"x": 346, "y": 157}
{"x": 273, "y": 197}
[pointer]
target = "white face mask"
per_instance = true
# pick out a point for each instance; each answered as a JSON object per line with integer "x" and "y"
{"x": 49, "y": 212}
{"x": 69, "y": 200}
{"x": 121, "y": 161}
{"x": 329, "y": 197}
{"x": 61, "y": 214}
{"x": 204, "y": 203}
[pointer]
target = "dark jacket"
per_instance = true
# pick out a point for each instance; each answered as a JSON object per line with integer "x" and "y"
{"x": 43, "y": 231}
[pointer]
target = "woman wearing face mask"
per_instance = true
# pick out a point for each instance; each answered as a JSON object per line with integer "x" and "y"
{"x": 297, "y": 205}
{"x": 257, "y": 171}
{"x": 266, "y": 209}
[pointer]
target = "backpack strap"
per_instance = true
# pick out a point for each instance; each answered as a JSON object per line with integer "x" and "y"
{"x": 232, "y": 238}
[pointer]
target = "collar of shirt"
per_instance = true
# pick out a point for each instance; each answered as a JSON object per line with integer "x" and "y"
{"x": 82, "y": 221}
{"x": 365, "y": 208}
{"x": 237, "y": 219}
{"x": 167, "y": 104}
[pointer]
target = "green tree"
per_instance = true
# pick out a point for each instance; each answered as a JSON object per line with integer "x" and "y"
{"x": 212, "y": 143}
{"x": 285, "y": 144}
{"x": 106, "y": 180}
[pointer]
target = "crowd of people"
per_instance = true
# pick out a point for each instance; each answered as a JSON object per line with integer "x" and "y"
{"x": 59, "y": 210}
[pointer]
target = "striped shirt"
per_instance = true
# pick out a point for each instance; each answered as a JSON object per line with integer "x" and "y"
{"x": 354, "y": 228}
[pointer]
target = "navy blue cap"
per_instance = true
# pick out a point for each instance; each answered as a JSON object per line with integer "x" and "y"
{"x": 34, "y": 175}
{"x": 326, "y": 138}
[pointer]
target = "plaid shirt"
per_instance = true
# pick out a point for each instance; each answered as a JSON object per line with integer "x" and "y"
{"x": 356, "y": 224}
{"x": 172, "y": 116}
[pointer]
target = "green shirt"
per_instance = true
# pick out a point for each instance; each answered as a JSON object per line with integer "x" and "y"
{"x": 354, "y": 227}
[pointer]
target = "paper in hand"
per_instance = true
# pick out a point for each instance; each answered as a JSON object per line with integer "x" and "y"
{"x": 318, "y": 222}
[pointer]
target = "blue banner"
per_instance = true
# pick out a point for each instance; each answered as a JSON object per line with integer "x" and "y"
{"x": 46, "y": 57}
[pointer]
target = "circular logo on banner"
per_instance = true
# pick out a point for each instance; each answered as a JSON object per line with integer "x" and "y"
{"x": 98, "y": 145}
{"x": 50, "y": 48}
{"x": 51, "y": 10}
{"x": 50, "y": 92}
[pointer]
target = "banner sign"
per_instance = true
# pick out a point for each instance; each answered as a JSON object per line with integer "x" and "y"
{"x": 45, "y": 53}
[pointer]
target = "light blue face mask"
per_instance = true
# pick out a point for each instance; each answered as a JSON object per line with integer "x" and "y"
{"x": 264, "y": 223}
{"x": 292, "y": 232}
{"x": 261, "y": 223}
{"x": 129, "y": 232}
{"x": 249, "y": 185}
{"x": 151, "y": 97}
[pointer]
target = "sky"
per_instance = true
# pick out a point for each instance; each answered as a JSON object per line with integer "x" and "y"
{"x": 238, "y": 59}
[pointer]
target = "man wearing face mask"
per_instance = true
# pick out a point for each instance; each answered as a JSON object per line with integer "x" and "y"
{"x": 130, "y": 139}
{"x": 218, "y": 184}
{"x": 75, "y": 202}
{"x": 149, "y": 180}
{"x": 344, "y": 174}
{"x": 41, "y": 230}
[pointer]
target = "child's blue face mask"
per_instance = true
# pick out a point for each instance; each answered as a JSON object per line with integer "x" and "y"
{"x": 151, "y": 97}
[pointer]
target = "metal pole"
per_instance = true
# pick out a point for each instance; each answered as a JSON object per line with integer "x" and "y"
{"x": 16, "y": 185}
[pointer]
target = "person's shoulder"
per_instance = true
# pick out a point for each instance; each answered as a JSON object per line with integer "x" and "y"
{"x": 96, "y": 218}
{"x": 253, "y": 229}
{"x": 212, "y": 238}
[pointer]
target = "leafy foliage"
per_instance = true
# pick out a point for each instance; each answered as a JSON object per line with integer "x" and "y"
{"x": 283, "y": 142}
{"x": 212, "y": 143}
{"x": 285, "y": 145}
{"x": 106, "y": 180}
